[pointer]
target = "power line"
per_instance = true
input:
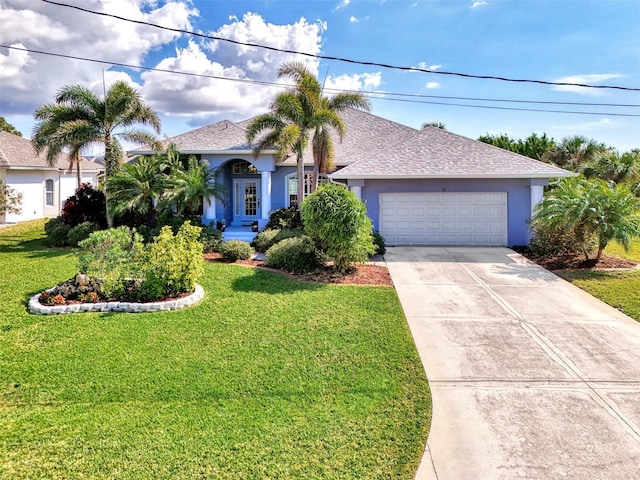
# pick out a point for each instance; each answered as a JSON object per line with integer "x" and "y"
{"x": 373, "y": 95}
{"x": 346, "y": 60}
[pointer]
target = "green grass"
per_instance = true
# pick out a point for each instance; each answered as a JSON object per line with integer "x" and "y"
{"x": 266, "y": 378}
{"x": 618, "y": 289}
{"x": 616, "y": 250}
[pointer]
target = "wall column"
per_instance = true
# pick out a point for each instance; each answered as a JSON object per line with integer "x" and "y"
{"x": 357, "y": 191}
{"x": 265, "y": 195}
{"x": 537, "y": 192}
{"x": 209, "y": 211}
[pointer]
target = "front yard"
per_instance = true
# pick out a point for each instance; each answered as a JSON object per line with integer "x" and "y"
{"x": 266, "y": 378}
{"x": 619, "y": 289}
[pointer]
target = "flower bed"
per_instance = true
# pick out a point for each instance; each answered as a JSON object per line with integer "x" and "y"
{"x": 132, "y": 307}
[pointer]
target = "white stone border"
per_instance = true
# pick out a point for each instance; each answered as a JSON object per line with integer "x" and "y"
{"x": 130, "y": 307}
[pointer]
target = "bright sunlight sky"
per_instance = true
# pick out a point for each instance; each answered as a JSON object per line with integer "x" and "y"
{"x": 572, "y": 41}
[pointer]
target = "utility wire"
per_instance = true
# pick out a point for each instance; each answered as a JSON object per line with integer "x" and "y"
{"x": 340, "y": 59}
{"x": 372, "y": 95}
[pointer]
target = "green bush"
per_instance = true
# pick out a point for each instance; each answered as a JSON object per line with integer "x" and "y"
{"x": 295, "y": 255}
{"x": 267, "y": 238}
{"x": 125, "y": 267}
{"x": 264, "y": 240}
{"x": 379, "y": 244}
{"x": 236, "y": 250}
{"x": 175, "y": 261}
{"x": 81, "y": 232}
{"x": 211, "y": 239}
{"x": 338, "y": 224}
{"x": 57, "y": 230}
{"x": 113, "y": 257}
{"x": 284, "y": 218}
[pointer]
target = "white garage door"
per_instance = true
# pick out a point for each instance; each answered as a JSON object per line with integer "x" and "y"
{"x": 444, "y": 218}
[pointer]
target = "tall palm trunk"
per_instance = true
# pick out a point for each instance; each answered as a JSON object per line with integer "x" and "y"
{"x": 78, "y": 162}
{"x": 300, "y": 175}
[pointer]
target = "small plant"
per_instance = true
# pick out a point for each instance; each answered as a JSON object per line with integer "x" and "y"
{"x": 379, "y": 244}
{"x": 87, "y": 205}
{"x": 211, "y": 239}
{"x": 81, "y": 232}
{"x": 264, "y": 239}
{"x": 236, "y": 250}
{"x": 91, "y": 297}
{"x": 57, "y": 231}
{"x": 294, "y": 255}
{"x": 284, "y": 218}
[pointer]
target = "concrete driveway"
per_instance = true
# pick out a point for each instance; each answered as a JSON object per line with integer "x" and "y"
{"x": 530, "y": 376}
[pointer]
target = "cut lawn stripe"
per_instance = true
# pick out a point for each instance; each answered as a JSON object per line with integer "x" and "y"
{"x": 266, "y": 378}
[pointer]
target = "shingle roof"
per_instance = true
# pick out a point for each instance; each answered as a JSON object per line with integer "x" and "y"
{"x": 364, "y": 132}
{"x": 18, "y": 152}
{"x": 435, "y": 153}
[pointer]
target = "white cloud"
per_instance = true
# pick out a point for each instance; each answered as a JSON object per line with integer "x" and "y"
{"x": 588, "y": 79}
{"x": 360, "y": 81}
{"x": 211, "y": 99}
{"x": 426, "y": 66}
{"x": 433, "y": 85}
{"x": 353, "y": 19}
{"x": 342, "y": 4}
{"x": 35, "y": 78}
{"x": 478, "y": 4}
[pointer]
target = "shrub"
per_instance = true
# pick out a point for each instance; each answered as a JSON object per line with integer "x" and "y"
{"x": 264, "y": 240}
{"x": 81, "y": 232}
{"x": 267, "y": 238}
{"x": 284, "y": 218}
{"x": 236, "y": 250}
{"x": 295, "y": 255}
{"x": 211, "y": 239}
{"x": 175, "y": 262}
{"x": 87, "y": 205}
{"x": 550, "y": 242}
{"x": 57, "y": 231}
{"x": 112, "y": 256}
{"x": 338, "y": 224}
{"x": 379, "y": 244}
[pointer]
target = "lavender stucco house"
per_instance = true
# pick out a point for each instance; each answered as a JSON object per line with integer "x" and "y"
{"x": 421, "y": 187}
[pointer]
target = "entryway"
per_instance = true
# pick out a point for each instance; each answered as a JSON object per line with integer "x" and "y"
{"x": 246, "y": 200}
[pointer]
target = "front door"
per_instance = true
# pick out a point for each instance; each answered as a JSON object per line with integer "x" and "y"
{"x": 246, "y": 200}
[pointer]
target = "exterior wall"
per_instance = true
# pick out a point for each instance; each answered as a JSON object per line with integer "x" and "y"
{"x": 518, "y": 198}
{"x": 32, "y": 185}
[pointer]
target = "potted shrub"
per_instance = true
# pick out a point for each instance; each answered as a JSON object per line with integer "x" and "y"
{"x": 254, "y": 226}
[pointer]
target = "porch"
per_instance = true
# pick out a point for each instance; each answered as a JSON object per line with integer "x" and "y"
{"x": 243, "y": 233}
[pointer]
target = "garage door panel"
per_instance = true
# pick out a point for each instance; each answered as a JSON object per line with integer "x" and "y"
{"x": 444, "y": 218}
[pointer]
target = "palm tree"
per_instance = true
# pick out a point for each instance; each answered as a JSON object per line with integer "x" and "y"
{"x": 576, "y": 152}
{"x": 138, "y": 186}
{"x": 79, "y": 118}
{"x": 591, "y": 209}
{"x": 187, "y": 188}
{"x": 297, "y": 112}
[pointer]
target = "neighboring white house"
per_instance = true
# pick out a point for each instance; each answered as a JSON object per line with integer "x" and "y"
{"x": 44, "y": 188}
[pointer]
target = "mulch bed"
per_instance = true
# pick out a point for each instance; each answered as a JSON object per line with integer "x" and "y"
{"x": 359, "y": 275}
{"x": 579, "y": 263}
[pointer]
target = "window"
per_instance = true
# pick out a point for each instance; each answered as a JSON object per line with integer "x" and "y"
{"x": 49, "y": 194}
{"x": 292, "y": 186}
{"x": 244, "y": 168}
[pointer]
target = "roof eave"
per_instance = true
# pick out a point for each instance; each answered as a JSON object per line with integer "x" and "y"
{"x": 337, "y": 176}
{"x": 203, "y": 152}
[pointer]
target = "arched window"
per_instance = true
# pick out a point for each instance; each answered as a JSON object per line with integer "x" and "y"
{"x": 49, "y": 192}
{"x": 291, "y": 183}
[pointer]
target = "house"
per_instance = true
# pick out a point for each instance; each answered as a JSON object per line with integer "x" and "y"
{"x": 421, "y": 187}
{"x": 44, "y": 188}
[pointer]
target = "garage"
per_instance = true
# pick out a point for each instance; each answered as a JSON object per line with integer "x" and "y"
{"x": 444, "y": 218}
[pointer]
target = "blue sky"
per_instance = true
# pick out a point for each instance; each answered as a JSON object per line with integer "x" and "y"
{"x": 577, "y": 41}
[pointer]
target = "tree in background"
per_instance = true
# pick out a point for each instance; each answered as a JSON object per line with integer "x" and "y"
{"x": 10, "y": 199}
{"x": 533, "y": 146}
{"x": 7, "y": 127}
{"x": 79, "y": 118}
{"x": 576, "y": 152}
{"x": 439, "y": 125}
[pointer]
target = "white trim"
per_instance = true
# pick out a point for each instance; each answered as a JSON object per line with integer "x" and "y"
{"x": 441, "y": 176}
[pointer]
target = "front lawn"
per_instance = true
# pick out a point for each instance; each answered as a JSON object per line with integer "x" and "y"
{"x": 266, "y": 378}
{"x": 618, "y": 289}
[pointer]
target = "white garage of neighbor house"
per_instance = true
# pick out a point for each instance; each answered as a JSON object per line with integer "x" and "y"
{"x": 44, "y": 189}
{"x": 439, "y": 188}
